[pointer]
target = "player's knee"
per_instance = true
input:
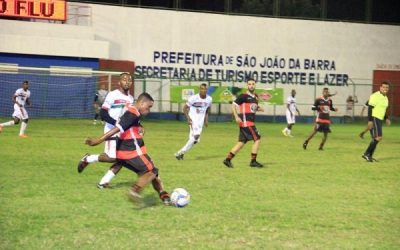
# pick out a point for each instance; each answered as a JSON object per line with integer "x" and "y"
{"x": 155, "y": 171}
{"x": 16, "y": 120}
{"x": 25, "y": 120}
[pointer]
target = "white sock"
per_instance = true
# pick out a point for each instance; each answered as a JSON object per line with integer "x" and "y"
{"x": 10, "y": 123}
{"x": 189, "y": 144}
{"x": 23, "y": 127}
{"x": 92, "y": 158}
{"x": 107, "y": 177}
{"x": 288, "y": 131}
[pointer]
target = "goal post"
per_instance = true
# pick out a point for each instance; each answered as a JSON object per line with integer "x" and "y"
{"x": 56, "y": 92}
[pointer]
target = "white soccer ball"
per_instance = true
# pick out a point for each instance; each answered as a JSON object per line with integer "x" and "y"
{"x": 180, "y": 197}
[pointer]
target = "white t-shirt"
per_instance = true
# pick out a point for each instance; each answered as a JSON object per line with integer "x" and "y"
{"x": 291, "y": 101}
{"x": 115, "y": 103}
{"x": 22, "y": 95}
{"x": 198, "y": 107}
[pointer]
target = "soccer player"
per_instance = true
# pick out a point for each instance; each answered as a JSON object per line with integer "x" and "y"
{"x": 131, "y": 151}
{"x": 291, "y": 110}
{"x": 20, "y": 98}
{"x": 196, "y": 111}
{"x": 350, "y": 101}
{"x": 370, "y": 125}
{"x": 98, "y": 102}
{"x": 323, "y": 106}
{"x": 111, "y": 110}
{"x": 378, "y": 103}
{"x": 248, "y": 106}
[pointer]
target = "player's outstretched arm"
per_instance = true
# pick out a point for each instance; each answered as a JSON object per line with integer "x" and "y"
{"x": 97, "y": 141}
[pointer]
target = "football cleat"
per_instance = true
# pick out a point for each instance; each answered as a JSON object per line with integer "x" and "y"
{"x": 134, "y": 197}
{"x": 83, "y": 163}
{"x": 164, "y": 196}
{"x": 23, "y": 136}
{"x": 305, "y": 145}
{"x": 361, "y": 135}
{"x": 367, "y": 158}
{"x": 228, "y": 163}
{"x": 103, "y": 186}
{"x": 255, "y": 164}
{"x": 284, "y": 133}
{"x": 179, "y": 156}
{"x": 1, "y": 128}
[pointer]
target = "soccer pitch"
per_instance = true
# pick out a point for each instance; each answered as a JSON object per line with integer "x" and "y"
{"x": 301, "y": 199}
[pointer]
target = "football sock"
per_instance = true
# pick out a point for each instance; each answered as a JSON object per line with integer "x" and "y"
{"x": 253, "y": 157}
{"x": 230, "y": 156}
{"x": 92, "y": 158}
{"x": 10, "y": 123}
{"x": 187, "y": 146}
{"x": 288, "y": 131}
{"x": 107, "y": 177}
{"x": 371, "y": 148}
{"x": 23, "y": 127}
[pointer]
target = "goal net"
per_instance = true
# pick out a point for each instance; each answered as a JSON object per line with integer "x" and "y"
{"x": 55, "y": 92}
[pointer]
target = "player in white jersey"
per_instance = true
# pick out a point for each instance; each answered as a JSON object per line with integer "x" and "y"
{"x": 111, "y": 110}
{"x": 291, "y": 110}
{"x": 20, "y": 98}
{"x": 99, "y": 99}
{"x": 196, "y": 112}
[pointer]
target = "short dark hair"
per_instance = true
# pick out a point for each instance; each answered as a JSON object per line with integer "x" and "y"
{"x": 145, "y": 97}
{"x": 203, "y": 84}
{"x": 125, "y": 73}
{"x": 25, "y": 82}
{"x": 326, "y": 89}
{"x": 385, "y": 83}
{"x": 250, "y": 79}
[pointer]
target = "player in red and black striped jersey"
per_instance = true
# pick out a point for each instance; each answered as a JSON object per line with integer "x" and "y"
{"x": 323, "y": 105}
{"x": 248, "y": 105}
{"x": 131, "y": 151}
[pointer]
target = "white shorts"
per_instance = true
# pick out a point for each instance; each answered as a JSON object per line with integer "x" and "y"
{"x": 110, "y": 146}
{"x": 291, "y": 119}
{"x": 195, "y": 129}
{"x": 20, "y": 112}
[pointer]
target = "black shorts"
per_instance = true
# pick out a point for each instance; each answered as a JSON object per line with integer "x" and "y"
{"x": 322, "y": 127}
{"x": 248, "y": 134}
{"x": 376, "y": 131}
{"x": 140, "y": 164}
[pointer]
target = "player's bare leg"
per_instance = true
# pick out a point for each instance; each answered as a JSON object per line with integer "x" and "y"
{"x": 159, "y": 187}
{"x": 15, "y": 121}
{"x": 254, "y": 150}
{"x": 309, "y": 138}
{"x": 370, "y": 125}
{"x": 227, "y": 162}
{"x": 87, "y": 159}
{"x": 324, "y": 138}
{"x": 143, "y": 181}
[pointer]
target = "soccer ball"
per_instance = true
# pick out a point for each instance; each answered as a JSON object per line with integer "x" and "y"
{"x": 180, "y": 197}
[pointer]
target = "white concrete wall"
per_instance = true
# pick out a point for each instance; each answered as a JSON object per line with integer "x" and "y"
{"x": 136, "y": 34}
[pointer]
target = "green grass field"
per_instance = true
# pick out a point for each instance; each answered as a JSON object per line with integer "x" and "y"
{"x": 310, "y": 199}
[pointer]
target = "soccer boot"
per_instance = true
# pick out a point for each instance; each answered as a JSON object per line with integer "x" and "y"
{"x": 255, "y": 164}
{"x": 103, "y": 186}
{"x": 83, "y": 163}
{"x": 164, "y": 196}
{"x": 284, "y": 132}
{"x": 305, "y": 145}
{"x": 179, "y": 156}
{"x": 23, "y": 136}
{"x": 361, "y": 135}
{"x": 228, "y": 163}
{"x": 134, "y": 197}
{"x": 1, "y": 128}
{"x": 367, "y": 158}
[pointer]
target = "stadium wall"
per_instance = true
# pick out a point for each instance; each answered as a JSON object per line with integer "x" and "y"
{"x": 301, "y": 54}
